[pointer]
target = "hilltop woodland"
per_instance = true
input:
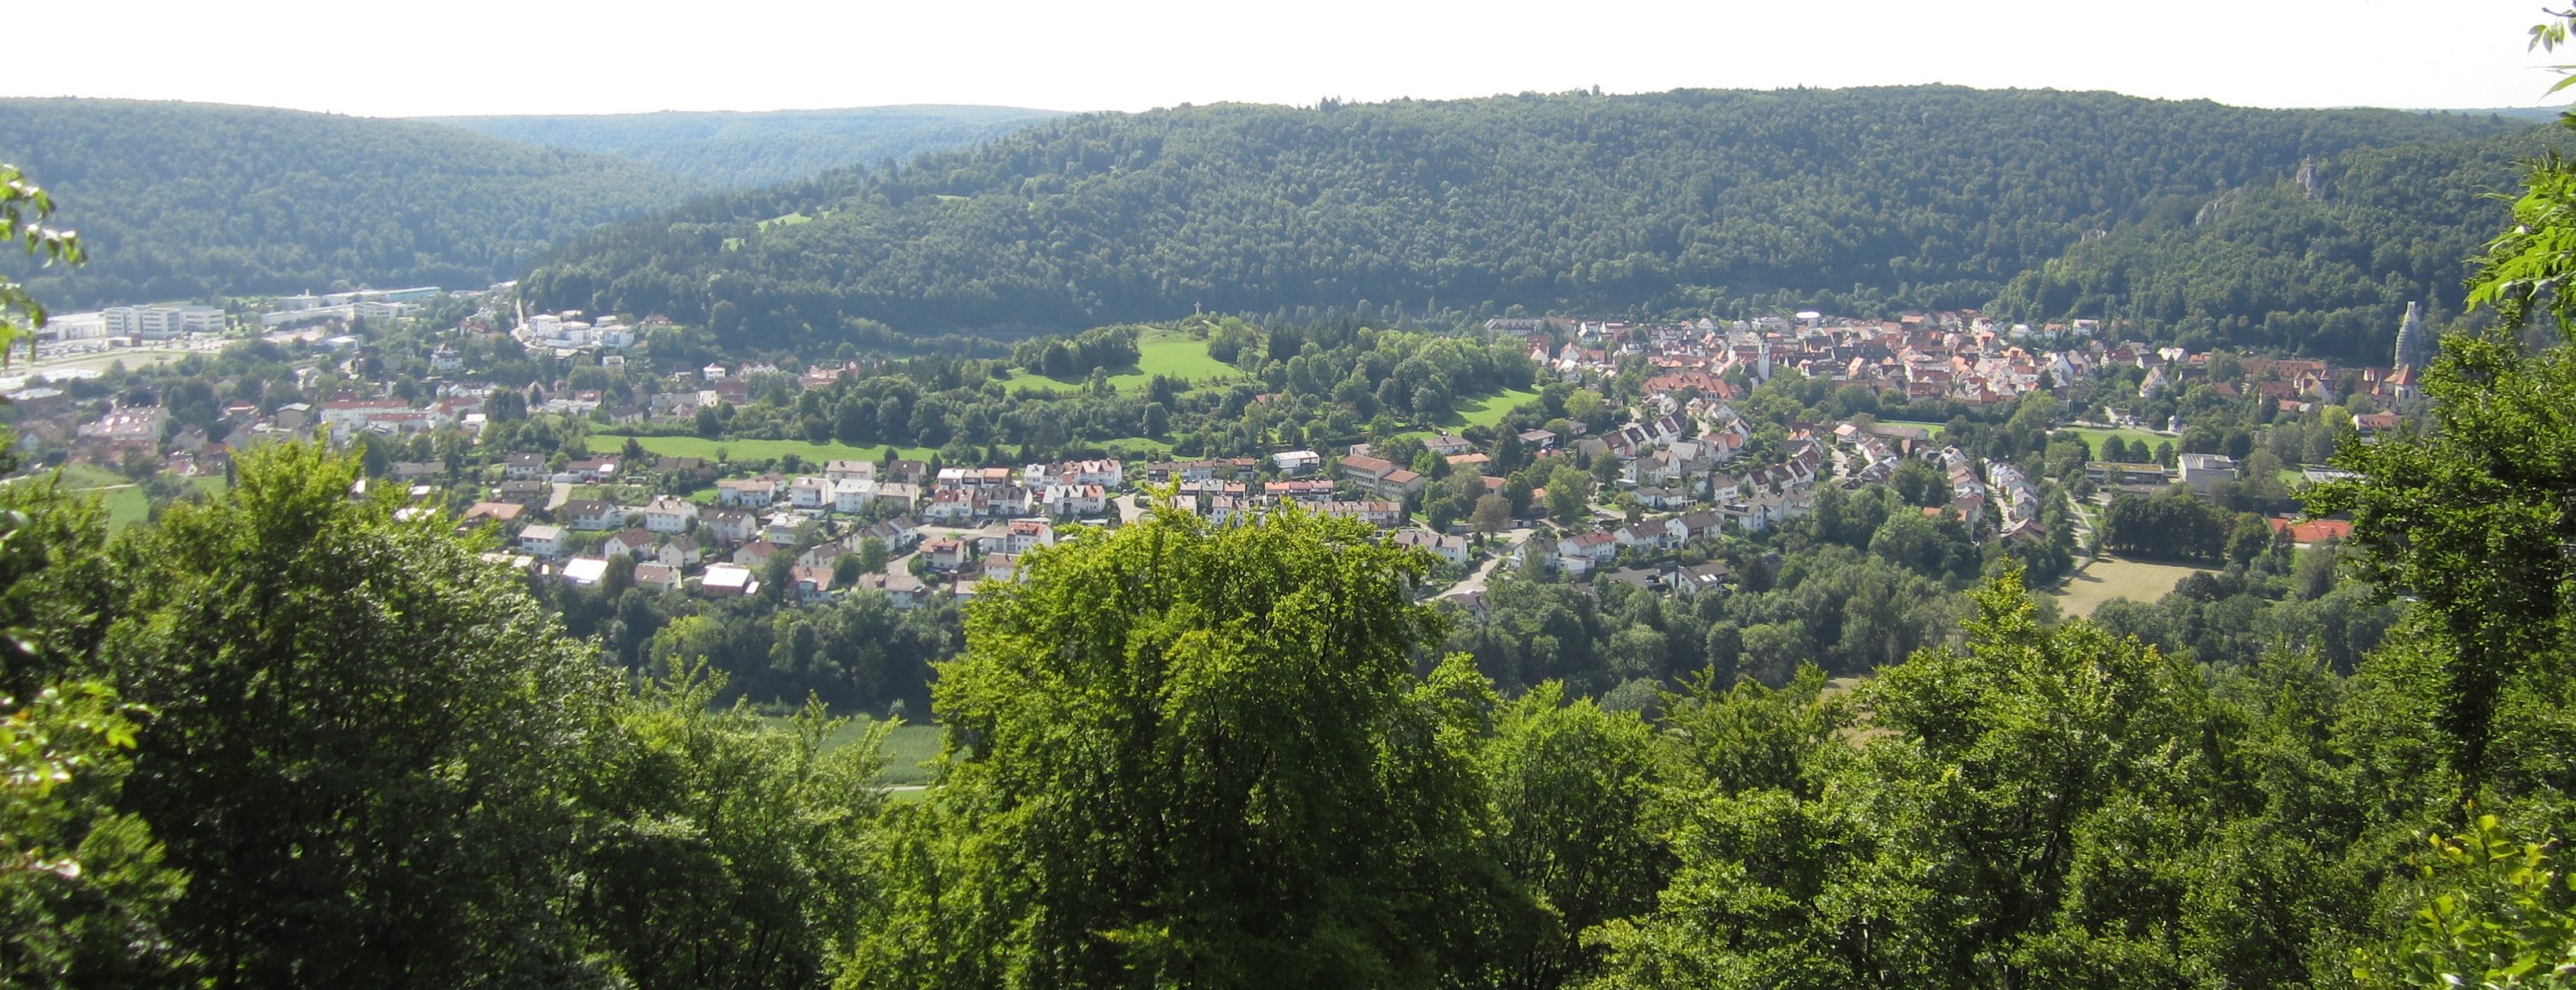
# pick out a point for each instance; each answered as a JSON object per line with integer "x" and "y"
{"x": 737, "y": 150}
{"x": 2037, "y": 205}
{"x": 197, "y": 201}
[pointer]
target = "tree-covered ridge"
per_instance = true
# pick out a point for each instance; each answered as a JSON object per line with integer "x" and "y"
{"x": 1928, "y": 195}
{"x": 187, "y": 200}
{"x": 2323, "y": 269}
{"x": 740, "y": 150}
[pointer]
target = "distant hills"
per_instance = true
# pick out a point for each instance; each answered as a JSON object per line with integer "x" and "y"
{"x": 727, "y": 150}
{"x": 188, "y": 200}
{"x": 1689, "y": 201}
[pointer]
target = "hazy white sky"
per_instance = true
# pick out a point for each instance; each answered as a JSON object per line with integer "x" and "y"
{"x": 403, "y": 57}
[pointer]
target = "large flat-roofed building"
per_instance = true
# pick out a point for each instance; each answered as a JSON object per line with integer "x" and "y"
{"x": 161, "y": 321}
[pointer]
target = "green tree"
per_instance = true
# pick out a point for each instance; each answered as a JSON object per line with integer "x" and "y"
{"x": 1575, "y": 793}
{"x": 24, "y": 208}
{"x": 361, "y": 736}
{"x": 1569, "y": 494}
{"x": 719, "y": 852}
{"x": 1194, "y": 756}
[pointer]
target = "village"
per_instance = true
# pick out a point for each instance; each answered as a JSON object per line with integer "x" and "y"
{"x": 1676, "y": 462}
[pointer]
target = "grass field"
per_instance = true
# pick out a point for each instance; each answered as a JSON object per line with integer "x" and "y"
{"x": 2094, "y": 437}
{"x": 125, "y": 502}
{"x": 912, "y": 745}
{"x": 1929, "y": 427}
{"x": 1487, "y": 410}
{"x": 1167, "y": 354}
{"x": 2108, "y": 578}
{"x": 753, "y": 450}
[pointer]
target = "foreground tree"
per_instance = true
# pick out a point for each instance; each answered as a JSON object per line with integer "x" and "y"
{"x": 1188, "y": 756}
{"x": 361, "y": 740}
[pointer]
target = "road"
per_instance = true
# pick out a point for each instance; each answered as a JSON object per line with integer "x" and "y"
{"x": 561, "y": 495}
{"x": 1476, "y": 582}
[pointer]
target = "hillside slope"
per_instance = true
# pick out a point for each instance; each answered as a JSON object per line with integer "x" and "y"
{"x": 2323, "y": 269}
{"x": 180, "y": 200}
{"x": 1923, "y": 195}
{"x": 725, "y": 150}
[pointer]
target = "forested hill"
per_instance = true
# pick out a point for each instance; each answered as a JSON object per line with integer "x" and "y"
{"x": 1928, "y": 195}
{"x": 181, "y": 200}
{"x": 2324, "y": 267}
{"x": 728, "y": 150}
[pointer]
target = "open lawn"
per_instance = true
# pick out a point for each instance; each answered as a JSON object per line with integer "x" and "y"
{"x": 125, "y": 502}
{"x": 2093, "y": 437}
{"x": 912, "y": 745}
{"x": 753, "y": 450}
{"x": 2110, "y": 577}
{"x": 1167, "y": 354}
{"x": 1487, "y": 410}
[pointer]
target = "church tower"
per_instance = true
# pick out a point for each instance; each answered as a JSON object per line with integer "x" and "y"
{"x": 2414, "y": 343}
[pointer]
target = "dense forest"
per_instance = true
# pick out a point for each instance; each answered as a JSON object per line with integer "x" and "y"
{"x": 2282, "y": 265}
{"x": 736, "y": 150}
{"x": 1697, "y": 200}
{"x": 189, "y": 201}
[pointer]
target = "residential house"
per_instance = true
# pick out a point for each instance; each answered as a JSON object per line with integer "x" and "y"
{"x": 898, "y": 534}
{"x": 528, "y": 493}
{"x": 680, "y": 552}
{"x": 670, "y": 515}
{"x": 544, "y": 541}
{"x": 900, "y": 588}
{"x": 728, "y": 525}
{"x": 813, "y": 584}
{"x": 850, "y": 471}
{"x": 1380, "y": 477}
{"x": 749, "y": 493}
{"x": 756, "y": 553}
{"x": 1452, "y": 549}
{"x": 657, "y": 576}
{"x": 634, "y": 543}
{"x": 592, "y": 515}
{"x": 485, "y": 513}
{"x": 1027, "y": 534}
{"x": 810, "y": 493}
{"x": 945, "y": 554}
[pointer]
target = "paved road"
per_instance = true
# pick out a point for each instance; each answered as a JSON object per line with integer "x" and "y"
{"x": 562, "y": 494}
{"x": 1476, "y": 581}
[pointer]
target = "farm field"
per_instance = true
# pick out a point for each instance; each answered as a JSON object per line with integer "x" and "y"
{"x": 2110, "y": 577}
{"x": 753, "y": 450}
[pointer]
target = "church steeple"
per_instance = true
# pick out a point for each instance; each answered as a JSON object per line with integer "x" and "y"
{"x": 2414, "y": 343}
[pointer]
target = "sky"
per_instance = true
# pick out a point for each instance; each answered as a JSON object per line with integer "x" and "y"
{"x": 411, "y": 58}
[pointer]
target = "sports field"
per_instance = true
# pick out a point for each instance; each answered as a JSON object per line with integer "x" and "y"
{"x": 2110, "y": 577}
{"x": 2094, "y": 437}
